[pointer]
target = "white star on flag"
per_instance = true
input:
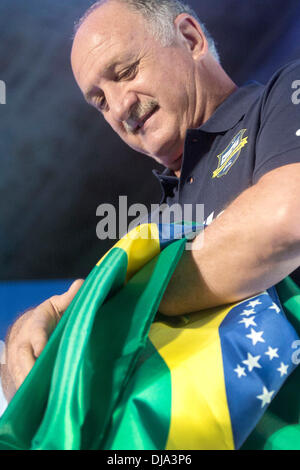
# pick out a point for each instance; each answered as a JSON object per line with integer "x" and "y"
{"x": 275, "y": 307}
{"x": 282, "y": 369}
{"x": 253, "y": 303}
{"x": 240, "y": 371}
{"x": 272, "y": 353}
{"x": 248, "y": 312}
{"x": 248, "y": 321}
{"x": 266, "y": 396}
{"x": 256, "y": 337}
{"x": 252, "y": 361}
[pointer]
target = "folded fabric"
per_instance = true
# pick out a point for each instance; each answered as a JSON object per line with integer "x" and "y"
{"x": 115, "y": 375}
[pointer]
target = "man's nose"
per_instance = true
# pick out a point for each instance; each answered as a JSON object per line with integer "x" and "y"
{"x": 120, "y": 104}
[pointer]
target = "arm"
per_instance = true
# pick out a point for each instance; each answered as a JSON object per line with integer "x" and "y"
{"x": 254, "y": 244}
{"x": 28, "y": 336}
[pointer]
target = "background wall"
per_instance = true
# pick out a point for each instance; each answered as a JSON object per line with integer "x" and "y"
{"x": 58, "y": 158}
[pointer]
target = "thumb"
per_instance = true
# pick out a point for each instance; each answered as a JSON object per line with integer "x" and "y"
{"x": 63, "y": 301}
{"x": 74, "y": 287}
{"x": 57, "y": 304}
{"x": 48, "y": 314}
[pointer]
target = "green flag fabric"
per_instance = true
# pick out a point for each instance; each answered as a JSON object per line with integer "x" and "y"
{"x": 115, "y": 374}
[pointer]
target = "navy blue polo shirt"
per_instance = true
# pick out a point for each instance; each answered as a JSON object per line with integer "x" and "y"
{"x": 255, "y": 130}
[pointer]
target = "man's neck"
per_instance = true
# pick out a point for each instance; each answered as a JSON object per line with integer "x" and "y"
{"x": 177, "y": 173}
{"x": 231, "y": 88}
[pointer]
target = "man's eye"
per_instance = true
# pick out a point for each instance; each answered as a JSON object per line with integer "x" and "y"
{"x": 128, "y": 73}
{"x": 100, "y": 103}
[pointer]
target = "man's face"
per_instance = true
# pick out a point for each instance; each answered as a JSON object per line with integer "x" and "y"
{"x": 146, "y": 92}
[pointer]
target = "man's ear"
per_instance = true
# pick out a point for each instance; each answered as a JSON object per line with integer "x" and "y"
{"x": 191, "y": 34}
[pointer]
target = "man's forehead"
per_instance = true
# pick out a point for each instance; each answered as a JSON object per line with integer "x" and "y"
{"x": 112, "y": 17}
{"x": 104, "y": 57}
{"x": 108, "y": 32}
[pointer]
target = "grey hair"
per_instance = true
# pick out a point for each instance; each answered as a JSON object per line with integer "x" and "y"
{"x": 160, "y": 15}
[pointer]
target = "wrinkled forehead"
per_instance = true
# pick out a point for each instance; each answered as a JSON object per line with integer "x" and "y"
{"x": 111, "y": 25}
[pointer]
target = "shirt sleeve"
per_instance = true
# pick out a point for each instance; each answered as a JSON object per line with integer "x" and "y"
{"x": 278, "y": 140}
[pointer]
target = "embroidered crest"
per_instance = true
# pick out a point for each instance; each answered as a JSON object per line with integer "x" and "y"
{"x": 230, "y": 155}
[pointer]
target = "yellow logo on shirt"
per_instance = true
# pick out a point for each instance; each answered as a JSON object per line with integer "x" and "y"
{"x": 230, "y": 155}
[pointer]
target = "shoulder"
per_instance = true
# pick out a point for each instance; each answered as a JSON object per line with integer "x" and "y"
{"x": 283, "y": 85}
{"x": 288, "y": 70}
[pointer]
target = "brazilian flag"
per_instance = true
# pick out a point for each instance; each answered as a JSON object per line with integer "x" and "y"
{"x": 116, "y": 374}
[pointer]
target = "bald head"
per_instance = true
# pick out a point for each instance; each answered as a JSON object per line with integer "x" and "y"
{"x": 160, "y": 16}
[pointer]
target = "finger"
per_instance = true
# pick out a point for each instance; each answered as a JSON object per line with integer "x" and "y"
{"x": 39, "y": 341}
{"x": 73, "y": 289}
{"x": 56, "y": 305}
{"x": 24, "y": 365}
{"x": 44, "y": 323}
{"x": 61, "y": 302}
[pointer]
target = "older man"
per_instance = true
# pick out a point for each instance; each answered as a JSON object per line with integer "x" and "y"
{"x": 152, "y": 71}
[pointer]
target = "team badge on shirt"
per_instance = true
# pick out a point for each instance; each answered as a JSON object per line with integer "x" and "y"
{"x": 230, "y": 155}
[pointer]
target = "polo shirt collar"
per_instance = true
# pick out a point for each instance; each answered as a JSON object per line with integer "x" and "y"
{"x": 168, "y": 182}
{"x": 225, "y": 117}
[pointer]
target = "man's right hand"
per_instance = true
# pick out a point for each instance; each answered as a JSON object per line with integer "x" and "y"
{"x": 28, "y": 337}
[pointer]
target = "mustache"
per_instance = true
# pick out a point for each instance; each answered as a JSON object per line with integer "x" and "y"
{"x": 138, "y": 111}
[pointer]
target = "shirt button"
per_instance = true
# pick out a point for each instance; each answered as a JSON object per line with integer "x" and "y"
{"x": 194, "y": 141}
{"x": 190, "y": 180}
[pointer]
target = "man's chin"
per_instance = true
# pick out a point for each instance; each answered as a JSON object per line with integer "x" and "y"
{"x": 174, "y": 165}
{"x": 169, "y": 161}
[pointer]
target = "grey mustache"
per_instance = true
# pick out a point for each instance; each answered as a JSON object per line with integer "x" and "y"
{"x": 136, "y": 113}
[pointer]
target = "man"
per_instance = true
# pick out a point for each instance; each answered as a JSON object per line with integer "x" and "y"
{"x": 152, "y": 73}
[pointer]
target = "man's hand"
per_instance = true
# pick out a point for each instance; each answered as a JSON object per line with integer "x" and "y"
{"x": 28, "y": 337}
